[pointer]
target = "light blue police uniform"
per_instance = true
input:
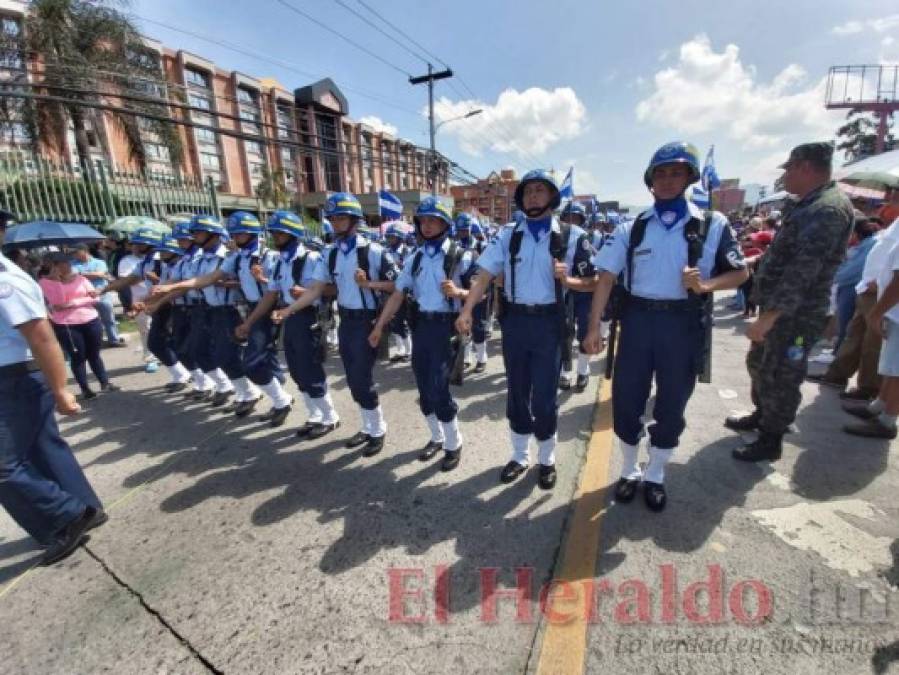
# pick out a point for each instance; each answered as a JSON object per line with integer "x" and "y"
{"x": 660, "y": 329}
{"x": 42, "y": 487}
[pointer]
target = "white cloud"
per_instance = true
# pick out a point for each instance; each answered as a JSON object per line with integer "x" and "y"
{"x": 882, "y": 24}
{"x": 708, "y": 91}
{"x": 379, "y": 125}
{"x": 523, "y": 124}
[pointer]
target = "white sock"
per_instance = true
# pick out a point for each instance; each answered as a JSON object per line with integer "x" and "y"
{"x": 201, "y": 382}
{"x": 178, "y": 373}
{"x": 453, "y": 436}
{"x": 326, "y": 407}
{"x": 629, "y": 466}
{"x": 876, "y": 406}
{"x": 245, "y": 391}
{"x": 566, "y": 373}
{"x": 332, "y": 336}
{"x": 520, "y": 448}
{"x": 276, "y": 393}
{"x": 315, "y": 414}
{"x": 434, "y": 426}
{"x": 469, "y": 350}
{"x": 399, "y": 347}
{"x": 583, "y": 364}
{"x": 481, "y": 351}
{"x": 658, "y": 458}
{"x": 546, "y": 451}
{"x": 604, "y": 327}
{"x": 220, "y": 380}
{"x": 407, "y": 341}
{"x": 377, "y": 425}
{"x": 366, "y": 421}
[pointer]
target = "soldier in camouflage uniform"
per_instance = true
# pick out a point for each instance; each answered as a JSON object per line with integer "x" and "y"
{"x": 792, "y": 289}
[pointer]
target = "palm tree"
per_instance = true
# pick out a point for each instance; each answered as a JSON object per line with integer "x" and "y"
{"x": 86, "y": 50}
{"x": 272, "y": 189}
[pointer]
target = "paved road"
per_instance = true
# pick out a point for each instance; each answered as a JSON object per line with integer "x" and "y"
{"x": 232, "y": 548}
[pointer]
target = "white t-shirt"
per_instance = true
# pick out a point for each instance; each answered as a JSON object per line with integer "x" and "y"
{"x": 877, "y": 256}
{"x": 885, "y": 277}
{"x": 127, "y": 266}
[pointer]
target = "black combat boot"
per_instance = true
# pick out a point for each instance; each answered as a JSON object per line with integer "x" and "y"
{"x": 768, "y": 448}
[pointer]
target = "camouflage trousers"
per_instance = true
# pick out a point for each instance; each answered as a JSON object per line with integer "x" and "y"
{"x": 777, "y": 367}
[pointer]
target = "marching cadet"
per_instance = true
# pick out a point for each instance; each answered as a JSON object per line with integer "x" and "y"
{"x": 359, "y": 269}
{"x": 537, "y": 266}
{"x": 248, "y": 266}
{"x": 575, "y": 214}
{"x": 433, "y": 275}
{"x": 43, "y": 487}
{"x": 465, "y": 226}
{"x": 399, "y": 326}
{"x": 671, "y": 256}
{"x": 160, "y": 339}
{"x": 304, "y": 347}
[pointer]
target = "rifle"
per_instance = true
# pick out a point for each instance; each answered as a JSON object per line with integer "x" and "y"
{"x": 568, "y": 332}
{"x": 704, "y": 358}
{"x": 459, "y": 344}
{"x": 614, "y": 309}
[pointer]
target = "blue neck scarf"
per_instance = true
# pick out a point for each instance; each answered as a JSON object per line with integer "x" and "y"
{"x": 538, "y": 227}
{"x": 433, "y": 246}
{"x": 348, "y": 244}
{"x": 671, "y": 210}
{"x": 288, "y": 253}
{"x": 250, "y": 248}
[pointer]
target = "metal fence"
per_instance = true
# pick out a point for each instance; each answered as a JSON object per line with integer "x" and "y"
{"x": 37, "y": 189}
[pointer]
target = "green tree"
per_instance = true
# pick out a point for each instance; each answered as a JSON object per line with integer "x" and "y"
{"x": 86, "y": 51}
{"x": 272, "y": 189}
{"x": 859, "y": 135}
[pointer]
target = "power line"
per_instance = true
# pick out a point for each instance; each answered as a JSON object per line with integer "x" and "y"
{"x": 380, "y": 30}
{"x": 403, "y": 33}
{"x": 343, "y": 37}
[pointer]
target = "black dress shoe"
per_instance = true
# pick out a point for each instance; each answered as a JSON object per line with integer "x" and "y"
{"x": 511, "y": 471}
{"x": 861, "y": 411}
{"x": 175, "y": 387}
{"x": 110, "y": 387}
{"x": 70, "y": 538}
{"x": 626, "y": 490}
{"x": 564, "y": 383}
{"x": 428, "y": 452}
{"x": 826, "y": 381}
{"x": 319, "y": 430}
{"x": 581, "y": 383}
{"x": 100, "y": 517}
{"x": 768, "y": 448}
{"x": 546, "y": 477}
{"x": 244, "y": 408}
{"x": 655, "y": 496}
{"x": 396, "y": 358}
{"x": 374, "y": 446}
{"x": 451, "y": 459}
{"x": 88, "y": 395}
{"x": 219, "y": 399}
{"x": 873, "y": 428}
{"x": 856, "y": 394}
{"x": 743, "y": 422}
{"x": 277, "y": 416}
{"x": 203, "y": 395}
{"x": 360, "y": 438}
{"x": 480, "y": 367}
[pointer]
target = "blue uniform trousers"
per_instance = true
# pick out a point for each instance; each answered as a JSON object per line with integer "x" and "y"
{"x": 532, "y": 354}
{"x": 200, "y": 338}
{"x": 159, "y": 339}
{"x": 663, "y": 343}
{"x": 302, "y": 349}
{"x": 582, "y": 305}
{"x": 479, "y": 319}
{"x": 260, "y": 357}
{"x": 432, "y": 359}
{"x": 181, "y": 320}
{"x": 42, "y": 487}
{"x": 358, "y": 358}
{"x": 227, "y": 354}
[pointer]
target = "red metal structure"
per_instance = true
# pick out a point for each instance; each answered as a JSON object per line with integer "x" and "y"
{"x": 868, "y": 88}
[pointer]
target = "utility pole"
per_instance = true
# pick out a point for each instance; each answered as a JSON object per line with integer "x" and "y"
{"x": 430, "y": 78}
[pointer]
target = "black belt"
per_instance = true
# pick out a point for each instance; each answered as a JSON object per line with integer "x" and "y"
{"x": 356, "y": 313}
{"x": 661, "y": 305}
{"x": 438, "y": 316}
{"x": 195, "y": 302}
{"x": 18, "y": 369}
{"x": 532, "y": 310}
{"x": 220, "y": 307}
{"x": 306, "y": 311}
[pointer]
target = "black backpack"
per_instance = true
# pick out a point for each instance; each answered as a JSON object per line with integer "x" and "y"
{"x": 450, "y": 261}
{"x": 695, "y": 232}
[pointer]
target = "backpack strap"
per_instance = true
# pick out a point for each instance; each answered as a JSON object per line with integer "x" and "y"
{"x": 638, "y": 231}
{"x": 416, "y": 263}
{"x": 299, "y": 264}
{"x": 695, "y": 232}
{"x": 363, "y": 263}
{"x": 514, "y": 248}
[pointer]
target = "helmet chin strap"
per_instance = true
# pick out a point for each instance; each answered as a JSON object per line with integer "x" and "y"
{"x": 536, "y": 211}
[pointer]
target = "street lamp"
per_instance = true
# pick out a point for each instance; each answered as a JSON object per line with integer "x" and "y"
{"x": 433, "y": 172}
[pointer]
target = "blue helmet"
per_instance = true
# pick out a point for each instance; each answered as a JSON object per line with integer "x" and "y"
{"x": 181, "y": 231}
{"x": 393, "y": 230}
{"x": 169, "y": 245}
{"x": 146, "y": 236}
{"x": 343, "y": 204}
{"x": 242, "y": 222}
{"x": 477, "y": 230}
{"x": 287, "y": 222}
{"x": 544, "y": 177}
{"x": 207, "y": 223}
{"x": 575, "y": 209}
{"x": 464, "y": 221}
{"x": 431, "y": 206}
{"x": 676, "y": 152}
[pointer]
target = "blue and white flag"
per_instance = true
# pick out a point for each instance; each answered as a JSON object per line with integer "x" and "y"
{"x": 710, "y": 180}
{"x": 390, "y": 205}
{"x": 566, "y": 190}
{"x": 700, "y": 197}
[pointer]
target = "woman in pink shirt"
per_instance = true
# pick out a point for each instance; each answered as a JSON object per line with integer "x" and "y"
{"x": 71, "y": 299}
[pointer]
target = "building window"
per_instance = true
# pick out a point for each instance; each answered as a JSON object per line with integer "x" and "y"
{"x": 196, "y": 78}
{"x": 309, "y": 168}
{"x": 253, "y": 148}
{"x": 210, "y": 161}
{"x": 205, "y": 135}
{"x": 200, "y": 101}
{"x": 245, "y": 95}
{"x": 327, "y": 137}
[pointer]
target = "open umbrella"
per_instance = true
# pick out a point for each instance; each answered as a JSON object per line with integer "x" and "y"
{"x": 128, "y": 224}
{"x": 873, "y": 180}
{"x": 47, "y": 233}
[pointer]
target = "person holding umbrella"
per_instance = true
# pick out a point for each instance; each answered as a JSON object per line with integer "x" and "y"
{"x": 71, "y": 299}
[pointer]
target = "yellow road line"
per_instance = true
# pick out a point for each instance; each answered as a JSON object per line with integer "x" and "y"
{"x": 565, "y": 643}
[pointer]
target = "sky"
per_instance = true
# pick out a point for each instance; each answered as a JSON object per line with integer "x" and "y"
{"x": 597, "y": 85}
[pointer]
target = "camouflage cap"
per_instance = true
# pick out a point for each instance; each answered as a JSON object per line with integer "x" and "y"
{"x": 820, "y": 153}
